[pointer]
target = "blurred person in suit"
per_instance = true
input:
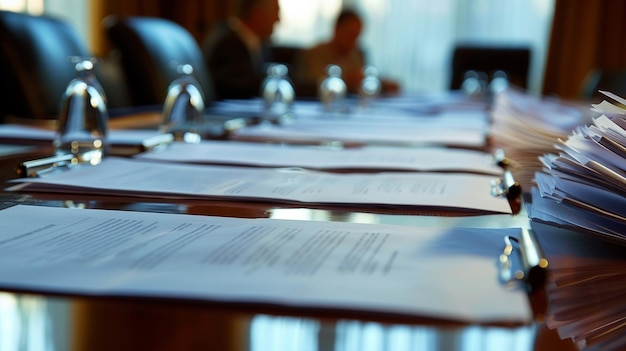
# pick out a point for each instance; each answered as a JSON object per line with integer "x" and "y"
{"x": 237, "y": 50}
{"x": 342, "y": 50}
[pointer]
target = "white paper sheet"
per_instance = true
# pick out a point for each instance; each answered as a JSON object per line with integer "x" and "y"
{"x": 118, "y": 176}
{"x": 359, "y": 158}
{"x": 410, "y": 105}
{"x": 395, "y": 112}
{"x": 466, "y": 129}
{"x": 441, "y": 273}
{"x": 26, "y": 134}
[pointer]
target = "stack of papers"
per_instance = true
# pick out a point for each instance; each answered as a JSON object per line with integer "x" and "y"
{"x": 526, "y": 127}
{"x": 587, "y": 287}
{"x": 587, "y": 178}
{"x": 583, "y": 187}
{"x": 446, "y": 274}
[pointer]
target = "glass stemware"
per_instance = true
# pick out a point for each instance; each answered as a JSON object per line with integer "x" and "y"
{"x": 83, "y": 116}
{"x": 278, "y": 94}
{"x": 333, "y": 90}
{"x": 370, "y": 87}
{"x": 183, "y": 109}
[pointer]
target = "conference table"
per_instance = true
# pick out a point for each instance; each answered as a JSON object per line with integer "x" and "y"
{"x": 30, "y": 321}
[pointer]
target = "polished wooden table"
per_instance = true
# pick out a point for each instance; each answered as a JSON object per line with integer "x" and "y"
{"x": 80, "y": 323}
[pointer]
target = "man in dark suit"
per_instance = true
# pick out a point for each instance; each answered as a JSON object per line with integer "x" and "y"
{"x": 237, "y": 51}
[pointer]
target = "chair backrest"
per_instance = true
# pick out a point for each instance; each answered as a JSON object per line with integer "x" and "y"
{"x": 612, "y": 80}
{"x": 285, "y": 54}
{"x": 151, "y": 49}
{"x": 513, "y": 60}
{"x": 34, "y": 64}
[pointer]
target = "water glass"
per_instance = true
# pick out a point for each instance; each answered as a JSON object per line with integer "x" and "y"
{"x": 278, "y": 94}
{"x": 333, "y": 90}
{"x": 83, "y": 116}
{"x": 370, "y": 87}
{"x": 183, "y": 109}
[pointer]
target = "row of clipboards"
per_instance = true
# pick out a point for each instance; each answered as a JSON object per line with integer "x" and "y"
{"x": 372, "y": 166}
{"x": 522, "y": 260}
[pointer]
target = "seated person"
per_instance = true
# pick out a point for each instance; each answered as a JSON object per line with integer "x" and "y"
{"x": 342, "y": 50}
{"x": 237, "y": 52}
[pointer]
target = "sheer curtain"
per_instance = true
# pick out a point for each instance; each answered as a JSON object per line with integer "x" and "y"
{"x": 412, "y": 40}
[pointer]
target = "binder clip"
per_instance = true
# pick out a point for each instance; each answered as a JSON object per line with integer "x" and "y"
{"x": 508, "y": 187}
{"x": 522, "y": 262}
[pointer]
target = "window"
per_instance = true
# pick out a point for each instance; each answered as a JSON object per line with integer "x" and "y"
{"x": 30, "y": 6}
{"x": 412, "y": 40}
{"x": 74, "y": 12}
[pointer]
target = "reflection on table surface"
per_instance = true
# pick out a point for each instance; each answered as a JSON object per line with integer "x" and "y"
{"x": 37, "y": 323}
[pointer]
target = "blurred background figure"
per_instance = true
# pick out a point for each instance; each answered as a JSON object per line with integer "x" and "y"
{"x": 342, "y": 50}
{"x": 237, "y": 50}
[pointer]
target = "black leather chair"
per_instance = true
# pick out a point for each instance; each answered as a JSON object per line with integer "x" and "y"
{"x": 612, "y": 80}
{"x": 285, "y": 54}
{"x": 513, "y": 60}
{"x": 150, "y": 50}
{"x": 34, "y": 64}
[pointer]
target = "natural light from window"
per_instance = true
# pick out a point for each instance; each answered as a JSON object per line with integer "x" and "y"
{"x": 412, "y": 40}
{"x": 30, "y": 6}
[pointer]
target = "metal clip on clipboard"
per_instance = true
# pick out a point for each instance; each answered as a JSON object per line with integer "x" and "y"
{"x": 40, "y": 166}
{"x": 522, "y": 262}
{"x": 35, "y": 168}
{"x": 508, "y": 187}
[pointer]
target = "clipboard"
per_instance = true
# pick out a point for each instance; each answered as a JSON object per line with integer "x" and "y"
{"x": 501, "y": 186}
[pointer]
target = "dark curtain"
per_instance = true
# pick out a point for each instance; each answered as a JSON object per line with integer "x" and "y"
{"x": 197, "y": 16}
{"x": 586, "y": 35}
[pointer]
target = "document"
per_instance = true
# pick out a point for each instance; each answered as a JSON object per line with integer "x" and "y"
{"x": 395, "y": 112}
{"x": 468, "y": 129}
{"x": 122, "y": 142}
{"x": 129, "y": 177}
{"x": 14, "y": 132}
{"x": 323, "y": 157}
{"x": 407, "y": 105}
{"x": 447, "y": 274}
